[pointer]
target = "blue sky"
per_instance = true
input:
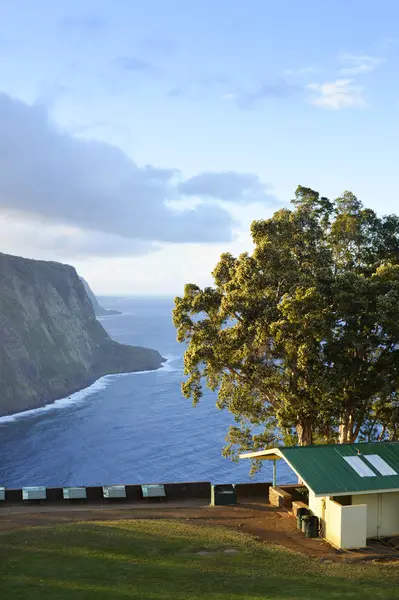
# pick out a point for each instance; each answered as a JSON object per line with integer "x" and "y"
{"x": 143, "y": 137}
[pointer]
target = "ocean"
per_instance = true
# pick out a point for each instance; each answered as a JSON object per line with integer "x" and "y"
{"x": 128, "y": 429}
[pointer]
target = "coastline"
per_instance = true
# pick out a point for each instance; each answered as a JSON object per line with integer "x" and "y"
{"x": 77, "y": 395}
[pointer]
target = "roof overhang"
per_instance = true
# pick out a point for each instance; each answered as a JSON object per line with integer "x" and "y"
{"x": 272, "y": 454}
{"x": 356, "y": 493}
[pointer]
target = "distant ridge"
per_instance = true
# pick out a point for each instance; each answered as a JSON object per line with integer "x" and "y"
{"x": 98, "y": 309}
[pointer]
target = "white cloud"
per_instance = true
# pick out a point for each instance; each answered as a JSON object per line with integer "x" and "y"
{"x": 338, "y": 94}
{"x": 357, "y": 64}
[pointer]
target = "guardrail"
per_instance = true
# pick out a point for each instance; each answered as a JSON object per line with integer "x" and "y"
{"x": 169, "y": 492}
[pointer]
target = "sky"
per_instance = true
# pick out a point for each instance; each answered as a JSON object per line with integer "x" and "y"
{"x": 139, "y": 140}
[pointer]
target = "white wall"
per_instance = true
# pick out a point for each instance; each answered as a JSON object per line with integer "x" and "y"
{"x": 342, "y": 526}
{"x": 354, "y": 526}
{"x": 371, "y": 501}
{"x": 389, "y": 514}
{"x": 382, "y": 513}
{"x": 316, "y": 505}
{"x": 333, "y": 528}
{"x": 371, "y": 515}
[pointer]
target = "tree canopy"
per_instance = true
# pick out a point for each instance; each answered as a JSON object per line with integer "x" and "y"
{"x": 300, "y": 338}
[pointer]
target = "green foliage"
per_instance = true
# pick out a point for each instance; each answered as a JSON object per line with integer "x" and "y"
{"x": 300, "y": 338}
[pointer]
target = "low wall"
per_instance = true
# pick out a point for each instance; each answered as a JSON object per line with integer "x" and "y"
{"x": 175, "y": 492}
{"x": 353, "y": 526}
{"x": 253, "y": 490}
{"x": 297, "y": 506}
{"x": 333, "y": 522}
{"x": 280, "y": 498}
{"x": 284, "y": 495}
{"x": 342, "y": 526}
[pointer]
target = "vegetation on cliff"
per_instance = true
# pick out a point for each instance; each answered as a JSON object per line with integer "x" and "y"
{"x": 51, "y": 341}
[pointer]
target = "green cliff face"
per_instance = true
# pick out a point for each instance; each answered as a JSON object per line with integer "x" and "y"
{"x": 51, "y": 343}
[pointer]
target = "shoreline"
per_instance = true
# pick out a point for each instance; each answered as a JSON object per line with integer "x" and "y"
{"x": 80, "y": 394}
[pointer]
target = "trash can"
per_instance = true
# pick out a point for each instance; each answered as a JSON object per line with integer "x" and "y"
{"x": 301, "y": 512}
{"x": 223, "y": 495}
{"x": 304, "y": 521}
{"x": 311, "y": 526}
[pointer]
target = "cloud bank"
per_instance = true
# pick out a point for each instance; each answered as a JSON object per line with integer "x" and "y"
{"x": 100, "y": 198}
{"x": 228, "y": 186}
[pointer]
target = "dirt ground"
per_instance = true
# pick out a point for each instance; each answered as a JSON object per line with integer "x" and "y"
{"x": 263, "y": 522}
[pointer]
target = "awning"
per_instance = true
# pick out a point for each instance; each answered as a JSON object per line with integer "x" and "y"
{"x": 272, "y": 454}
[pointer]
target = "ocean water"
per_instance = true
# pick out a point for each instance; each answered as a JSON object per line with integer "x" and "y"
{"x": 134, "y": 428}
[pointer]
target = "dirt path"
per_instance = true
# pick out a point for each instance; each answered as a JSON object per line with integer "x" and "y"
{"x": 265, "y": 523}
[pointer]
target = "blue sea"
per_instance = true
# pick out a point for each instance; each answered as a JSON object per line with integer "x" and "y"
{"x": 131, "y": 429}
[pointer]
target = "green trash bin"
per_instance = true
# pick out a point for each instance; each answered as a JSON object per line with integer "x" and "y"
{"x": 222, "y": 495}
{"x": 312, "y": 527}
{"x": 299, "y": 516}
{"x": 305, "y": 519}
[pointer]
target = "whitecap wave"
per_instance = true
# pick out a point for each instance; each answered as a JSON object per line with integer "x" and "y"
{"x": 79, "y": 397}
{"x": 171, "y": 364}
{"x": 108, "y": 317}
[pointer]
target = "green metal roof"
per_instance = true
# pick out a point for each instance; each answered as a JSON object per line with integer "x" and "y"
{"x": 324, "y": 469}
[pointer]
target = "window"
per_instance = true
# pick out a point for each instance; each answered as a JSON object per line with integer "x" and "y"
{"x": 359, "y": 466}
{"x": 380, "y": 464}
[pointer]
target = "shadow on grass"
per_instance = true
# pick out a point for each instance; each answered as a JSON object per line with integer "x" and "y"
{"x": 156, "y": 561}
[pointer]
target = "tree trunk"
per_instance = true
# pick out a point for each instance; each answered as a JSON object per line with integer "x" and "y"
{"x": 348, "y": 430}
{"x": 304, "y": 433}
{"x": 305, "y": 436}
{"x": 344, "y": 432}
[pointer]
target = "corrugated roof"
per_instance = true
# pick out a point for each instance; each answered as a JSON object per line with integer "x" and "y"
{"x": 326, "y": 471}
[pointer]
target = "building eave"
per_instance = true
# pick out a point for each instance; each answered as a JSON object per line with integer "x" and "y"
{"x": 271, "y": 454}
{"x": 356, "y": 493}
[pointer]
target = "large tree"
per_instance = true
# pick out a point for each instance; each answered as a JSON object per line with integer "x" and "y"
{"x": 300, "y": 338}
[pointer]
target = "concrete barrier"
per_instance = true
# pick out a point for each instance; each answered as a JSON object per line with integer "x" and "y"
{"x": 257, "y": 491}
{"x": 95, "y": 494}
{"x": 13, "y": 495}
{"x": 175, "y": 492}
{"x": 196, "y": 490}
{"x": 133, "y": 493}
{"x": 54, "y": 494}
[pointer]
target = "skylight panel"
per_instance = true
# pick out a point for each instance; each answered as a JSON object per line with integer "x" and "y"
{"x": 359, "y": 466}
{"x": 380, "y": 464}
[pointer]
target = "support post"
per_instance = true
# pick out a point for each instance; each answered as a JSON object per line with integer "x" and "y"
{"x": 274, "y": 473}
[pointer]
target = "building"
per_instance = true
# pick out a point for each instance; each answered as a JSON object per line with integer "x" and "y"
{"x": 353, "y": 488}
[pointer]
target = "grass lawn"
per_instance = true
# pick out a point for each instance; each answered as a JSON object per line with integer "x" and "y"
{"x": 159, "y": 560}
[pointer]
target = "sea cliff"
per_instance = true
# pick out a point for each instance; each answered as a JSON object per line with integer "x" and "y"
{"x": 99, "y": 310}
{"x": 51, "y": 343}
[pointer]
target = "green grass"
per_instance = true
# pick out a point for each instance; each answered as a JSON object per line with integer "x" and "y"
{"x": 158, "y": 560}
